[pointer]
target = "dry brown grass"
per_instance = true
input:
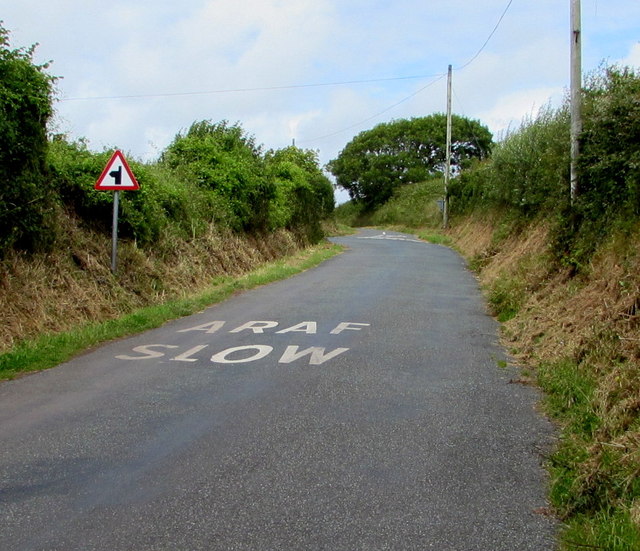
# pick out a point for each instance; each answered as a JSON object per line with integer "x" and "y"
{"x": 74, "y": 285}
{"x": 473, "y": 236}
{"x": 595, "y": 315}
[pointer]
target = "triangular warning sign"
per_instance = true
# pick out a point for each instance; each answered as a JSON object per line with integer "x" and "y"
{"x": 117, "y": 175}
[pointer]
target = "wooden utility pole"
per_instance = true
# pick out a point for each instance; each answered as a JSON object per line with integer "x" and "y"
{"x": 447, "y": 169}
{"x": 576, "y": 94}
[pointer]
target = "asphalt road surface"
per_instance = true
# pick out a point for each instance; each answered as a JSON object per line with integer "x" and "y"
{"x": 358, "y": 406}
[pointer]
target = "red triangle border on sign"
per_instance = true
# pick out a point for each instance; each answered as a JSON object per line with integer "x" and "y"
{"x": 103, "y": 183}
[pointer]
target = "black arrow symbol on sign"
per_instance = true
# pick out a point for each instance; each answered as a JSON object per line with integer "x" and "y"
{"x": 117, "y": 175}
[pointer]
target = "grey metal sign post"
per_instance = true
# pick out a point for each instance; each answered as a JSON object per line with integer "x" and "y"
{"x": 114, "y": 232}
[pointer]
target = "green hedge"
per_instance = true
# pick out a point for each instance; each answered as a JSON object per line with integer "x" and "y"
{"x": 26, "y": 198}
{"x": 214, "y": 173}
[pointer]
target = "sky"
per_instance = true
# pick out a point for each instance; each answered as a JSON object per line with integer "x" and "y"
{"x": 135, "y": 73}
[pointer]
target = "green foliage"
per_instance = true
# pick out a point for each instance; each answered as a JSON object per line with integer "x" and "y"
{"x": 212, "y": 174}
{"x": 73, "y": 171}
{"x": 505, "y": 297}
{"x": 528, "y": 170}
{"x": 610, "y": 157}
{"x": 413, "y": 206}
{"x": 165, "y": 201}
{"x": 351, "y": 214}
{"x": 609, "y": 167}
{"x": 303, "y": 194}
{"x": 390, "y": 155}
{"x": 612, "y": 530}
{"x": 569, "y": 388}
{"x": 593, "y": 483}
{"x": 226, "y": 162}
{"x": 26, "y": 199}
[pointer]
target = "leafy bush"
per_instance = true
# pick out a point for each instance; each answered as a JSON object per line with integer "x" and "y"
{"x": 608, "y": 168}
{"x": 528, "y": 170}
{"x": 26, "y": 199}
{"x": 213, "y": 174}
{"x": 225, "y": 161}
{"x": 164, "y": 202}
{"x": 351, "y": 214}
{"x": 303, "y": 195}
{"x": 610, "y": 158}
{"x": 73, "y": 171}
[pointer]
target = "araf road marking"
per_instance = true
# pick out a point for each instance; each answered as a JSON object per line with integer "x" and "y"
{"x": 260, "y": 327}
{"x": 209, "y": 327}
{"x": 255, "y": 326}
{"x": 348, "y": 325}
{"x": 308, "y": 327}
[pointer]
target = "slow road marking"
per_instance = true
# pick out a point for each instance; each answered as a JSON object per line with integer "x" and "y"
{"x": 316, "y": 355}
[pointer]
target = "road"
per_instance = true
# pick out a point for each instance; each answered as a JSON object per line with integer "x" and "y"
{"x": 357, "y": 406}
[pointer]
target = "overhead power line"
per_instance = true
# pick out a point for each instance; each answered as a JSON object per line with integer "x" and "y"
{"x": 257, "y": 89}
{"x": 437, "y": 78}
{"x": 407, "y": 98}
{"x": 440, "y": 77}
{"x": 488, "y": 38}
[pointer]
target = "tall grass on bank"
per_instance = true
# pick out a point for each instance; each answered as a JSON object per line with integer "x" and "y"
{"x": 50, "y": 350}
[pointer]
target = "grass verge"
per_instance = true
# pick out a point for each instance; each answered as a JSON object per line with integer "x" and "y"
{"x": 595, "y": 488}
{"x": 433, "y": 236}
{"x": 50, "y": 350}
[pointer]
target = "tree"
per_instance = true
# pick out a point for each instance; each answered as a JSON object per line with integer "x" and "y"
{"x": 25, "y": 108}
{"x": 402, "y": 152}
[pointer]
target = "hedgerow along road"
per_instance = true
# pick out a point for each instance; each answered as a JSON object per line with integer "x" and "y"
{"x": 359, "y": 405}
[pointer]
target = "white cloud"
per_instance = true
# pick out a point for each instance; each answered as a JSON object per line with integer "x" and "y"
{"x": 511, "y": 109}
{"x": 161, "y": 47}
{"x": 633, "y": 59}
